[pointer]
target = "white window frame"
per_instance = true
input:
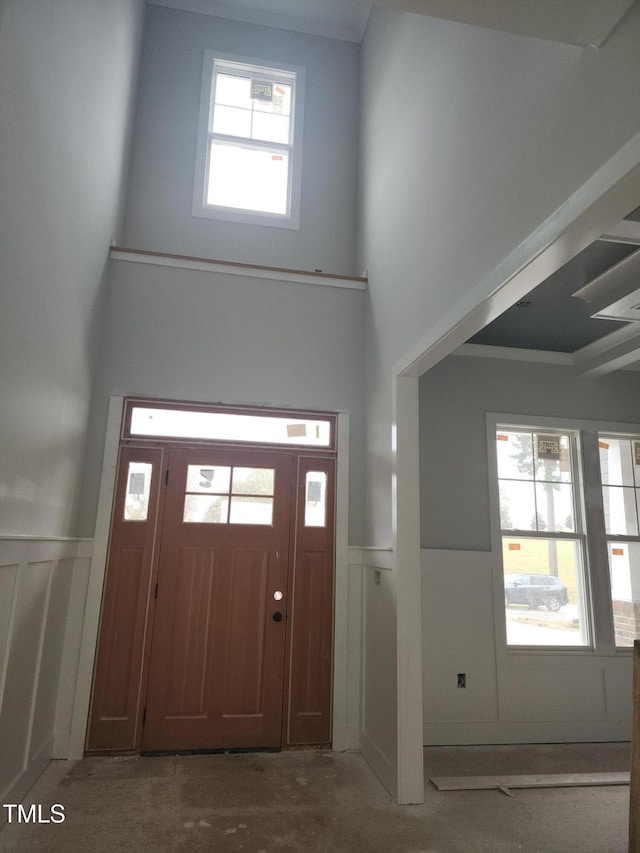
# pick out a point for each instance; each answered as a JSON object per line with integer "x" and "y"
{"x": 619, "y": 539}
{"x": 539, "y": 424}
{"x": 293, "y": 75}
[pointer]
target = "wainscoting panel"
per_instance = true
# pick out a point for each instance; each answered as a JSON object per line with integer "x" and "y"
{"x": 36, "y": 581}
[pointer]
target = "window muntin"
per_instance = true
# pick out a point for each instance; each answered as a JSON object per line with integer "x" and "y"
{"x": 248, "y": 165}
{"x": 543, "y": 545}
{"x": 229, "y": 495}
{"x": 619, "y": 458}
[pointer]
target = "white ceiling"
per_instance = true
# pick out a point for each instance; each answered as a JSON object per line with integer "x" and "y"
{"x": 339, "y": 19}
{"x": 579, "y": 22}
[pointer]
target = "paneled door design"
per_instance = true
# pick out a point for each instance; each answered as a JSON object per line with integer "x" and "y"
{"x": 218, "y": 646}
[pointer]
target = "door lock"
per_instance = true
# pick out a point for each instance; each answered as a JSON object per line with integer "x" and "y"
{"x": 277, "y": 616}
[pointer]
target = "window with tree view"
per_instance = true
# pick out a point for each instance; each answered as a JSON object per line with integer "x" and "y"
{"x": 543, "y": 543}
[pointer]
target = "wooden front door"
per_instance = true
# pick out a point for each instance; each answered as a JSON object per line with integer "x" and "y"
{"x": 218, "y": 646}
{"x": 217, "y": 615}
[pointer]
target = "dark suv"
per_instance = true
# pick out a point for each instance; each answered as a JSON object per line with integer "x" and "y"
{"x": 535, "y": 591}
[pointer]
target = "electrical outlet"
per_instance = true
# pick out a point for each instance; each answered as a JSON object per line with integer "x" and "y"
{"x": 377, "y": 577}
{"x": 462, "y": 679}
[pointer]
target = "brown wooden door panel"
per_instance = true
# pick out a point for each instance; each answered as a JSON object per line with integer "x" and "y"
{"x": 116, "y": 700}
{"x": 239, "y": 668}
{"x": 217, "y": 662}
{"x": 311, "y": 621}
{"x": 184, "y": 644}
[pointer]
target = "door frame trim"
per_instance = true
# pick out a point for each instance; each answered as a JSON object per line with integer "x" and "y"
{"x": 89, "y": 642}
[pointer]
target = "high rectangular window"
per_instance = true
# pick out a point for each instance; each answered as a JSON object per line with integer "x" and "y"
{"x": 248, "y": 165}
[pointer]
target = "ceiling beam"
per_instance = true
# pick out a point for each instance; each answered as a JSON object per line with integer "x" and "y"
{"x": 616, "y": 351}
{"x": 615, "y": 294}
{"x": 626, "y": 231}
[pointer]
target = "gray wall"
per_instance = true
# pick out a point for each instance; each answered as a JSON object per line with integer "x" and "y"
{"x": 161, "y": 186}
{"x": 510, "y": 698}
{"x": 190, "y": 335}
{"x": 455, "y": 396}
{"x": 67, "y": 74}
{"x": 471, "y": 139}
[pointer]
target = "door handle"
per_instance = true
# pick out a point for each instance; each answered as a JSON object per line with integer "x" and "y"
{"x": 277, "y": 616}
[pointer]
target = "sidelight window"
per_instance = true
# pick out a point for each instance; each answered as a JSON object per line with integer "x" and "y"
{"x": 136, "y": 502}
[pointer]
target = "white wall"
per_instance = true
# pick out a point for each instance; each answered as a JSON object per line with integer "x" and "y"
{"x": 38, "y": 659}
{"x": 67, "y": 74}
{"x": 509, "y": 697}
{"x": 67, "y": 84}
{"x": 378, "y": 734}
{"x": 471, "y": 138}
{"x": 518, "y": 698}
{"x": 193, "y": 335}
{"x": 161, "y": 186}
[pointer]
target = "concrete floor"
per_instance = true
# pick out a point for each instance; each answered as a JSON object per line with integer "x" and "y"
{"x": 322, "y": 801}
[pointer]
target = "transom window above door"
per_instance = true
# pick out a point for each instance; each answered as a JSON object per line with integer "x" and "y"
{"x": 229, "y": 424}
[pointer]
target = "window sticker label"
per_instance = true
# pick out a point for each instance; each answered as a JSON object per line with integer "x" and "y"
{"x": 277, "y": 101}
{"x": 136, "y": 483}
{"x": 261, "y": 90}
{"x": 548, "y": 446}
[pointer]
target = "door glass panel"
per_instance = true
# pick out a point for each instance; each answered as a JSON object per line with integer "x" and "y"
{"x": 245, "y": 495}
{"x": 206, "y": 509}
{"x": 253, "y": 481}
{"x": 136, "y": 504}
{"x": 315, "y": 503}
{"x": 206, "y": 478}
{"x": 251, "y": 510}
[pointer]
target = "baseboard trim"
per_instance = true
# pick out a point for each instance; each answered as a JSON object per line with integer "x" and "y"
{"x": 381, "y": 765}
{"x": 22, "y": 784}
